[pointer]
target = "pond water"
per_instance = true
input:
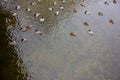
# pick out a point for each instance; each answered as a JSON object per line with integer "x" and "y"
{"x": 55, "y": 55}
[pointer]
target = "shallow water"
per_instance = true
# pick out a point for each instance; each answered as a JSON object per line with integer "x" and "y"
{"x": 55, "y": 55}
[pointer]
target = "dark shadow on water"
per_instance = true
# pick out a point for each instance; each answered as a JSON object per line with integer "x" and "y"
{"x": 11, "y": 66}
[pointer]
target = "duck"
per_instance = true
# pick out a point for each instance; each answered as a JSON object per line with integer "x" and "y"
{"x": 28, "y": 9}
{"x": 14, "y": 14}
{"x": 100, "y": 13}
{"x": 38, "y": 32}
{"x": 57, "y": 13}
{"x": 72, "y": 34}
{"x": 61, "y": 7}
{"x": 82, "y": 4}
{"x": 82, "y": 0}
{"x": 37, "y": 15}
{"x": 54, "y": 3}
{"x": 5, "y": 1}
{"x": 90, "y": 32}
{"x": 87, "y": 12}
{"x": 42, "y": 19}
{"x": 73, "y": 1}
{"x": 39, "y": 0}
{"x": 29, "y": 26}
{"x": 114, "y": 1}
{"x": 74, "y": 10}
{"x": 111, "y": 21}
{"x": 51, "y": 9}
{"x": 9, "y": 27}
{"x": 8, "y": 20}
{"x": 63, "y": 1}
{"x": 12, "y": 43}
{"x": 23, "y": 29}
{"x": 24, "y": 40}
{"x": 33, "y": 3}
{"x": 18, "y": 7}
{"x": 106, "y": 3}
{"x": 86, "y": 24}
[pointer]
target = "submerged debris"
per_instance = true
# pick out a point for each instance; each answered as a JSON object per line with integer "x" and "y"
{"x": 111, "y": 21}
{"x": 86, "y": 24}
{"x": 72, "y": 34}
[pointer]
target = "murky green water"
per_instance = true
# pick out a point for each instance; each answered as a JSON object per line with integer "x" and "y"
{"x": 55, "y": 55}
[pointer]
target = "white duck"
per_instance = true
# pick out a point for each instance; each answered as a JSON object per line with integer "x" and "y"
{"x": 23, "y": 29}
{"x": 90, "y": 32}
{"x": 42, "y": 19}
{"x": 38, "y": 32}
{"x": 18, "y": 7}
{"x": 14, "y": 14}
{"x": 61, "y": 7}
{"x": 57, "y": 13}
{"x": 51, "y": 9}
{"x": 13, "y": 43}
{"x": 87, "y": 12}
{"x": 28, "y": 9}
{"x": 33, "y": 3}
{"x": 24, "y": 40}
{"x": 37, "y": 15}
